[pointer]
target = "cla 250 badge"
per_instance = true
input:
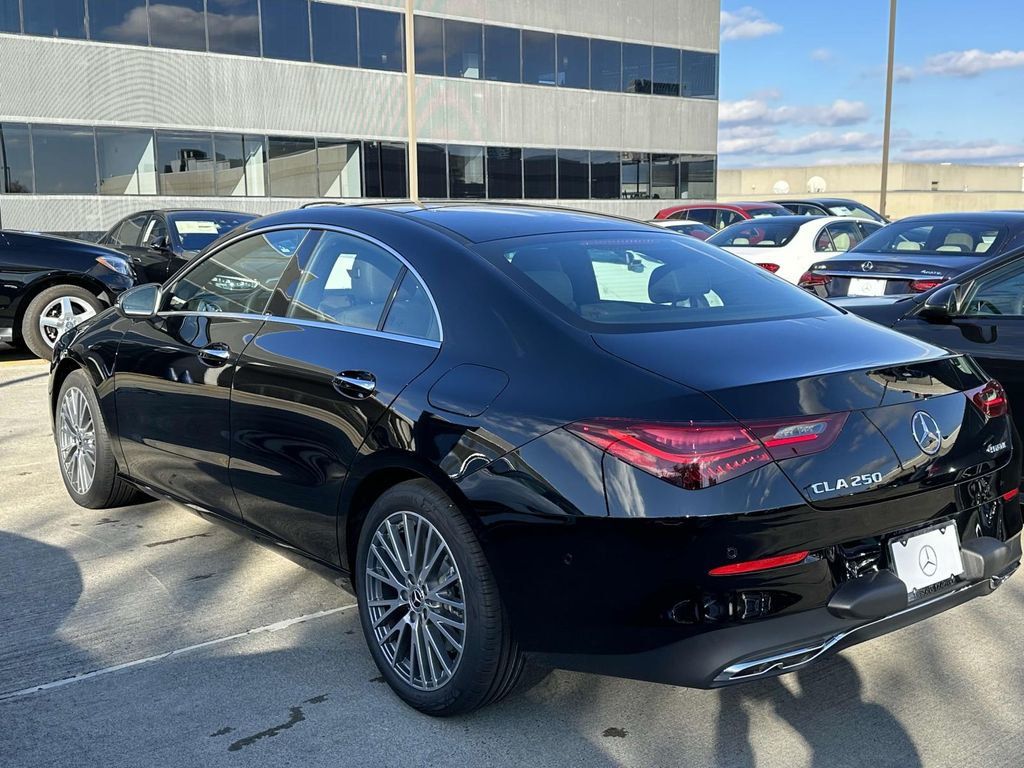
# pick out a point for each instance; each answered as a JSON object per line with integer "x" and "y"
{"x": 845, "y": 483}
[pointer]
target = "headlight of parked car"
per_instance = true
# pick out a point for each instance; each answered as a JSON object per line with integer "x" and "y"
{"x": 116, "y": 264}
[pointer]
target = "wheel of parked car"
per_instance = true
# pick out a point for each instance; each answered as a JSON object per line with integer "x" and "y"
{"x": 429, "y": 604}
{"x": 87, "y": 463}
{"x": 54, "y": 311}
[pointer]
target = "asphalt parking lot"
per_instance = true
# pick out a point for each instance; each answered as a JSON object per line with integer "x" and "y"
{"x": 146, "y": 636}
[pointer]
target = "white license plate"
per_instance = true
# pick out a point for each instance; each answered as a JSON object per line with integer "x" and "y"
{"x": 928, "y": 557}
{"x": 861, "y": 286}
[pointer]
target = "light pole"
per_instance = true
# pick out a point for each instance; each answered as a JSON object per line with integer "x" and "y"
{"x": 887, "y": 127}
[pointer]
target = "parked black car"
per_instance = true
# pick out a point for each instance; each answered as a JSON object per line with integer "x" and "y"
{"x": 915, "y": 254}
{"x": 160, "y": 242}
{"x": 530, "y": 431}
{"x": 979, "y": 312}
{"x": 831, "y": 206}
{"x": 48, "y": 284}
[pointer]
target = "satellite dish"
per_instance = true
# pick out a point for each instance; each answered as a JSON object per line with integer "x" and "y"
{"x": 816, "y": 185}
{"x": 780, "y": 187}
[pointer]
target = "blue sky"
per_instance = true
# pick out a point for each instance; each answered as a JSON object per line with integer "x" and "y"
{"x": 804, "y": 82}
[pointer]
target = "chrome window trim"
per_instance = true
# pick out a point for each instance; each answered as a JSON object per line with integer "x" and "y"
{"x": 169, "y": 288}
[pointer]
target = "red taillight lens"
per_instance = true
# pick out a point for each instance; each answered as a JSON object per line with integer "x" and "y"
{"x": 811, "y": 279}
{"x": 695, "y": 456}
{"x": 773, "y": 268}
{"x": 1011, "y": 495}
{"x": 990, "y": 399}
{"x": 920, "y": 286}
{"x": 750, "y": 566}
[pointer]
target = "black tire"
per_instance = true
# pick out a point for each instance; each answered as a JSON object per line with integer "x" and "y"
{"x": 34, "y": 338}
{"x": 106, "y": 489}
{"x": 491, "y": 663}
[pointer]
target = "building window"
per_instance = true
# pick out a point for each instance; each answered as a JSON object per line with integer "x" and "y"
{"x": 636, "y": 68}
{"x": 178, "y": 24}
{"x": 700, "y": 75}
{"x": 234, "y": 26}
{"x": 65, "y": 160}
{"x": 697, "y": 178}
{"x": 466, "y": 171}
{"x": 538, "y": 57}
{"x": 255, "y": 149}
{"x": 15, "y": 159}
{"x": 292, "y": 166}
{"x": 539, "y": 174}
{"x": 463, "y": 49}
{"x": 380, "y": 40}
{"x": 505, "y": 173}
{"x": 605, "y": 65}
{"x": 334, "y": 34}
{"x": 55, "y": 18}
{"x": 605, "y": 179}
{"x": 285, "y": 29}
{"x": 119, "y": 21}
{"x": 339, "y": 167}
{"x": 185, "y": 162}
{"x": 432, "y": 162}
{"x": 573, "y": 174}
{"x": 666, "y": 72}
{"x": 573, "y": 61}
{"x": 429, "y": 37}
{"x": 664, "y": 176}
{"x": 229, "y": 162}
{"x": 10, "y": 16}
{"x": 384, "y": 171}
{"x": 126, "y": 161}
{"x": 636, "y": 175}
{"x": 501, "y": 54}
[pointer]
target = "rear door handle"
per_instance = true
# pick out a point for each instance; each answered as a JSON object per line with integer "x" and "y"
{"x": 215, "y": 355}
{"x": 358, "y": 385}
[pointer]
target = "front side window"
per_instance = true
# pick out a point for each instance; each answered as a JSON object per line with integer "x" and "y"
{"x": 239, "y": 278}
{"x": 630, "y": 281}
{"x": 935, "y": 238}
{"x": 998, "y": 293}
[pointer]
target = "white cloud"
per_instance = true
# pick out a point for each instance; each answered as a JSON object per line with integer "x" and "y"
{"x": 972, "y": 63}
{"x": 747, "y": 111}
{"x": 821, "y": 55}
{"x": 746, "y": 24}
{"x": 816, "y": 141}
{"x": 932, "y": 151}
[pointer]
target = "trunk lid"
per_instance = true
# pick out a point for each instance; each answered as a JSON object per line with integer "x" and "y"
{"x": 898, "y": 270}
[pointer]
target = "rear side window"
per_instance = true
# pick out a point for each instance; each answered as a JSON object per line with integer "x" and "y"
{"x": 129, "y": 231}
{"x": 638, "y": 282}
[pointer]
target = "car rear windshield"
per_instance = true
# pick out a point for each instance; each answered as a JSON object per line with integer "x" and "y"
{"x": 935, "y": 238}
{"x": 760, "y": 213}
{"x": 198, "y": 230}
{"x": 763, "y": 233}
{"x": 639, "y": 281}
{"x": 852, "y": 209}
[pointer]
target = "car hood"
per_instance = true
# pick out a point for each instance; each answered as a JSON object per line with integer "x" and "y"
{"x": 898, "y": 263}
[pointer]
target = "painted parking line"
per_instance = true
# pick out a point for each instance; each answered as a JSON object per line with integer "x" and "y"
{"x": 275, "y": 627}
{"x": 27, "y": 361}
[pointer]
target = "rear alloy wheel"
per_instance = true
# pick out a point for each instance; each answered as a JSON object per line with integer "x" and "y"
{"x": 54, "y": 311}
{"x": 429, "y": 605}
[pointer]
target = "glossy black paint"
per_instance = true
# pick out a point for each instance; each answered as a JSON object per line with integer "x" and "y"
{"x": 32, "y": 262}
{"x": 592, "y": 556}
{"x": 823, "y": 206}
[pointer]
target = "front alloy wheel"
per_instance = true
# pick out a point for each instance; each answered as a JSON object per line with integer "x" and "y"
{"x": 62, "y": 314}
{"x": 76, "y": 440}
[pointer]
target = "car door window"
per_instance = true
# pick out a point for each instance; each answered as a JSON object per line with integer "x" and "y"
{"x": 129, "y": 232}
{"x": 156, "y": 232}
{"x": 868, "y": 227}
{"x": 239, "y": 278}
{"x": 725, "y": 218}
{"x": 347, "y": 281}
{"x": 999, "y": 293}
{"x": 845, "y": 235}
{"x": 823, "y": 242}
{"x": 703, "y": 215}
{"x": 411, "y": 312}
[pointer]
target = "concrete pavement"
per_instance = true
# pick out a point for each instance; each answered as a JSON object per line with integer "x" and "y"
{"x": 207, "y": 650}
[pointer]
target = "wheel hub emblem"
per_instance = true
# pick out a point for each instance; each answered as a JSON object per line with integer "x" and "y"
{"x": 926, "y": 432}
{"x": 928, "y": 560}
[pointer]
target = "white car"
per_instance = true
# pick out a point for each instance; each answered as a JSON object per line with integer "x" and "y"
{"x": 685, "y": 227}
{"x": 789, "y": 245}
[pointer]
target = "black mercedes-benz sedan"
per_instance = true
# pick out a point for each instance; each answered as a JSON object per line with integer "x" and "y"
{"x": 522, "y": 432}
{"x": 915, "y": 254}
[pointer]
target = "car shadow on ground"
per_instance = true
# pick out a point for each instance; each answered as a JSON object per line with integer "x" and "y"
{"x": 9, "y": 354}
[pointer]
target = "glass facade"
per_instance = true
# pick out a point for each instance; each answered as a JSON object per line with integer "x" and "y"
{"x": 466, "y": 171}
{"x": 505, "y": 173}
{"x": 573, "y": 61}
{"x": 432, "y": 162}
{"x": 538, "y": 57}
{"x": 285, "y": 29}
{"x": 64, "y": 160}
{"x": 381, "y": 42}
{"x": 334, "y": 34}
{"x": 119, "y": 21}
{"x": 16, "y": 159}
{"x": 55, "y": 18}
{"x": 573, "y": 174}
{"x": 605, "y": 65}
{"x": 177, "y": 24}
{"x": 233, "y": 26}
{"x": 503, "y": 59}
{"x": 126, "y": 163}
{"x": 464, "y": 49}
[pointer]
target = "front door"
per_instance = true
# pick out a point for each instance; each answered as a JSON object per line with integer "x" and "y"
{"x": 350, "y": 329}
{"x": 174, "y": 371}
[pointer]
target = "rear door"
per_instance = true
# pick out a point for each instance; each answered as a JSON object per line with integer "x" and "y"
{"x": 174, "y": 372}
{"x": 128, "y": 238}
{"x": 351, "y": 327}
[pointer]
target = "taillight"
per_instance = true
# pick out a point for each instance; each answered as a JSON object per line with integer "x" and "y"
{"x": 750, "y": 566}
{"x": 773, "y": 268}
{"x": 812, "y": 279}
{"x": 990, "y": 399}
{"x": 695, "y": 456}
{"x": 920, "y": 286}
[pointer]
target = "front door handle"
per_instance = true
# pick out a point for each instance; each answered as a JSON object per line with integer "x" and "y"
{"x": 358, "y": 385}
{"x": 215, "y": 355}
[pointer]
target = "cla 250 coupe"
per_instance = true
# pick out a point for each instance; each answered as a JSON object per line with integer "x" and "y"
{"x": 528, "y": 432}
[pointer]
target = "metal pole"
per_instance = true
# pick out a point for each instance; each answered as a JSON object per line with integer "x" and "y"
{"x": 886, "y": 129}
{"x": 410, "y": 102}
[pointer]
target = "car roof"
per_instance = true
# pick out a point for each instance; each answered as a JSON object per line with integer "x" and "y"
{"x": 187, "y": 210}
{"x": 980, "y": 217}
{"x": 742, "y": 205}
{"x": 818, "y": 200}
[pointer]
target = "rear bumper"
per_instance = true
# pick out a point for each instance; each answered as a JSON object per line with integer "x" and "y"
{"x": 785, "y": 644}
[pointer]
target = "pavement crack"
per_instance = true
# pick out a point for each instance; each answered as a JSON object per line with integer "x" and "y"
{"x": 222, "y": 732}
{"x": 615, "y": 733}
{"x": 180, "y": 538}
{"x": 295, "y": 717}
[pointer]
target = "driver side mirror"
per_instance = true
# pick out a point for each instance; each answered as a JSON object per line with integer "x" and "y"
{"x": 940, "y": 305}
{"x": 160, "y": 243}
{"x": 140, "y": 302}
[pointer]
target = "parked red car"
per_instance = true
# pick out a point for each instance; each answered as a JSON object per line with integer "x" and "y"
{"x": 720, "y": 215}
